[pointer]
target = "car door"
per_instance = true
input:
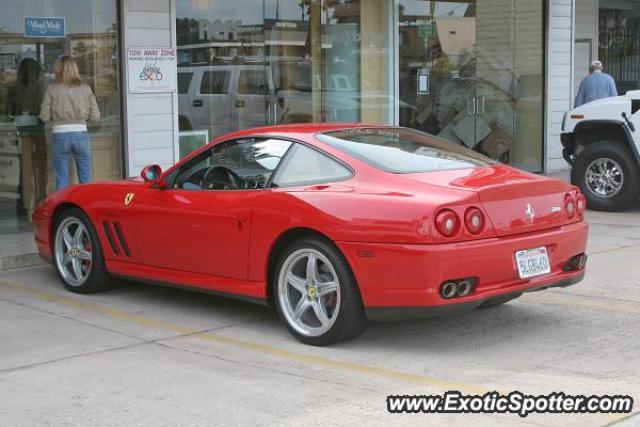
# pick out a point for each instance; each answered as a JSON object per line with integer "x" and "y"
{"x": 201, "y": 228}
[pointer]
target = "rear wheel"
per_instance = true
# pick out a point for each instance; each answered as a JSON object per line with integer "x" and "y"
{"x": 78, "y": 255}
{"x": 316, "y": 294}
{"x": 608, "y": 175}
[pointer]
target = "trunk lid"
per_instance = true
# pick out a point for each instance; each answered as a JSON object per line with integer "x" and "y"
{"x": 515, "y": 201}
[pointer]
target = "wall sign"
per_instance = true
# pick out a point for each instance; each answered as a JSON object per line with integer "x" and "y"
{"x": 44, "y": 26}
{"x": 151, "y": 70}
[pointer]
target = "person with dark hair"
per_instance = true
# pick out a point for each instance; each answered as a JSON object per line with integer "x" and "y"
{"x": 28, "y": 87}
{"x": 68, "y": 103}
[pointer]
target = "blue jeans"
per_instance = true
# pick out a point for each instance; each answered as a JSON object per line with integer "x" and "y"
{"x": 64, "y": 144}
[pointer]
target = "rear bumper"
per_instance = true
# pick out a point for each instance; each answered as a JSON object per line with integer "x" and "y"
{"x": 414, "y": 313}
{"x": 409, "y": 276}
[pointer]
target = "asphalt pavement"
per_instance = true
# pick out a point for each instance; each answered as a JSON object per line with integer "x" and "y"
{"x": 145, "y": 355}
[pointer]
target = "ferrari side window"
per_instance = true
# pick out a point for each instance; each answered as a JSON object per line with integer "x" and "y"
{"x": 243, "y": 164}
{"x": 305, "y": 166}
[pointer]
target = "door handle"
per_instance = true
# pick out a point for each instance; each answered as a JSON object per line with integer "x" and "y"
{"x": 197, "y": 103}
{"x": 239, "y": 103}
{"x": 481, "y": 106}
{"x": 471, "y": 106}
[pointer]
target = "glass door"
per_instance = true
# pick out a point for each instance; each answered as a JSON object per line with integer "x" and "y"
{"x": 471, "y": 72}
{"x": 494, "y": 70}
{"x": 437, "y": 68}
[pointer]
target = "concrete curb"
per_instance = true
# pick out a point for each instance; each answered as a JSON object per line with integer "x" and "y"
{"x": 30, "y": 259}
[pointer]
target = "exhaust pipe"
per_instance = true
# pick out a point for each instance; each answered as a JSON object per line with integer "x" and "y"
{"x": 464, "y": 288}
{"x": 448, "y": 290}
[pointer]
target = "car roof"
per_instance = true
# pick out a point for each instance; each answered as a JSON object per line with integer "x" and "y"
{"x": 297, "y": 128}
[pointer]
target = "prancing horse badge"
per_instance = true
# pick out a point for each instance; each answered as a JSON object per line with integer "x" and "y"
{"x": 128, "y": 198}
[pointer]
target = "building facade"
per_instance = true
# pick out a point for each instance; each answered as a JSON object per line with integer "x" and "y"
{"x": 493, "y": 75}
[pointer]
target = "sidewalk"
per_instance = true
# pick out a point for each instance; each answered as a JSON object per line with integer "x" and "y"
{"x": 18, "y": 250}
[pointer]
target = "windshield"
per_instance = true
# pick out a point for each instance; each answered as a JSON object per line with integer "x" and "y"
{"x": 402, "y": 150}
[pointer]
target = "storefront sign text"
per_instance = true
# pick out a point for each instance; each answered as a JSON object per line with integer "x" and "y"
{"x": 44, "y": 26}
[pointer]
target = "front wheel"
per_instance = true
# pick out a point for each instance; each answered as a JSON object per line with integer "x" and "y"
{"x": 608, "y": 175}
{"x": 78, "y": 255}
{"x": 316, "y": 294}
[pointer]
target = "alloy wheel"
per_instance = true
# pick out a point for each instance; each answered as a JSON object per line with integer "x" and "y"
{"x": 309, "y": 292}
{"x": 604, "y": 177}
{"x": 73, "y": 252}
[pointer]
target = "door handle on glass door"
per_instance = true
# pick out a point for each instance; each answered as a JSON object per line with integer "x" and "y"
{"x": 471, "y": 106}
{"x": 481, "y": 105}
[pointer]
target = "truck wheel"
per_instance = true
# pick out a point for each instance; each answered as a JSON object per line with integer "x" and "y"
{"x": 608, "y": 175}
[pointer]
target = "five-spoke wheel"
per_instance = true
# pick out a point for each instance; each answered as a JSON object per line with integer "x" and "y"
{"x": 77, "y": 253}
{"x": 73, "y": 251}
{"x": 309, "y": 292}
{"x": 316, "y": 294}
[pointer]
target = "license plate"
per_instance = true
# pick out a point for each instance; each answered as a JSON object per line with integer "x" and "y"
{"x": 533, "y": 262}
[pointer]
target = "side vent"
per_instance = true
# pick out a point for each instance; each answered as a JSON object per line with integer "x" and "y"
{"x": 112, "y": 242}
{"x": 121, "y": 239}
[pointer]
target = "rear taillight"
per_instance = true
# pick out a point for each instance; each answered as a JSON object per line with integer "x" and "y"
{"x": 581, "y": 204}
{"x": 570, "y": 206}
{"x": 474, "y": 220}
{"x": 447, "y": 223}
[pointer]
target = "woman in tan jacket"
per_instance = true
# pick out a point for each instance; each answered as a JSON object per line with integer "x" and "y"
{"x": 68, "y": 104}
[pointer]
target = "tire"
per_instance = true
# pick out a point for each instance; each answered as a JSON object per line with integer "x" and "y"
{"x": 621, "y": 168}
{"x": 77, "y": 255}
{"x": 338, "y": 304}
{"x": 499, "y": 301}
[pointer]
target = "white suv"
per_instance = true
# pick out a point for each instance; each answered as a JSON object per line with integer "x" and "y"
{"x": 601, "y": 141}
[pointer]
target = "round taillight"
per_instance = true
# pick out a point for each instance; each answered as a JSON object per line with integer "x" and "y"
{"x": 581, "y": 204}
{"x": 474, "y": 220}
{"x": 570, "y": 206}
{"x": 447, "y": 222}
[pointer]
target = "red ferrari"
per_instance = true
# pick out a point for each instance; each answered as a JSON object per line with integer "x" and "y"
{"x": 332, "y": 224}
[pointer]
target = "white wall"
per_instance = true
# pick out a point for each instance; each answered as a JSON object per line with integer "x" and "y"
{"x": 151, "y": 119}
{"x": 560, "y": 39}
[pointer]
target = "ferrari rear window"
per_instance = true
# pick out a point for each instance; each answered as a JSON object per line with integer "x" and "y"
{"x": 402, "y": 150}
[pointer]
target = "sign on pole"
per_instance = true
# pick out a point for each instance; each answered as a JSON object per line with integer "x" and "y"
{"x": 151, "y": 70}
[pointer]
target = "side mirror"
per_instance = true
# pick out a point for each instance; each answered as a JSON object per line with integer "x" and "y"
{"x": 153, "y": 174}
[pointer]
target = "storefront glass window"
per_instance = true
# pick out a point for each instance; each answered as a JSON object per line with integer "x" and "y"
{"x": 618, "y": 46}
{"x": 471, "y": 72}
{"x": 282, "y": 61}
{"x": 33, "y": 34}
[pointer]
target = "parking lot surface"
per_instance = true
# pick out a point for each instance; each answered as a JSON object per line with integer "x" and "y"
{"x": 145, "y": 355}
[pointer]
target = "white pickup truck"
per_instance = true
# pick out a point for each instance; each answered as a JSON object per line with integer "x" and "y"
{"x": 601, "y": 140}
